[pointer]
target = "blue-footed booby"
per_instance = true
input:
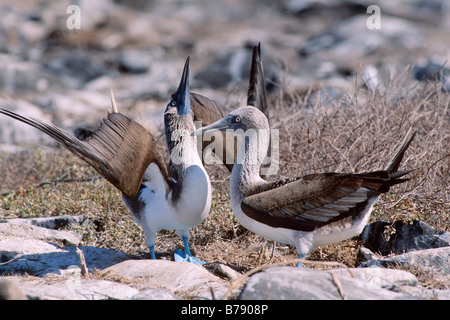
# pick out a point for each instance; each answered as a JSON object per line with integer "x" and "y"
{"x": 308, "y": 211}
{"x": 175, "y": 197}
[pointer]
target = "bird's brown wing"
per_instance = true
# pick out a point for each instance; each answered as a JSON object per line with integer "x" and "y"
{"x": 311, "y": 201}
{"x": 120, "y": 149}
{"x": 314, "y": 200}
{"x": 208, "y": 111}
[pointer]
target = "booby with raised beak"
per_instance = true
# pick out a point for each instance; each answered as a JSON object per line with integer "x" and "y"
{"x": 176, "y": 197}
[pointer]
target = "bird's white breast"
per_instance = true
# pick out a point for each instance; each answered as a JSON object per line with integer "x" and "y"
{"x": 281, "y": 235}
{"x": 195, "y": 202}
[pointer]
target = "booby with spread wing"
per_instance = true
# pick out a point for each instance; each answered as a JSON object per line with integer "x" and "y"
{"x": 125, "y": 153}
{"x": 308, "y": 211}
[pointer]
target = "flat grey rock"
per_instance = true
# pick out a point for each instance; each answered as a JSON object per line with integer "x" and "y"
{"x": 154, "y": 294}
{"x": 72, "y": 288}
{"x": 289, "y": 283}
{"x": 437, "y": 260}
{"x": 26, "y": 230}
{"x": 184, "y": 279}
{"x": 9, "y": 290}
{"x": 54, "y": 223}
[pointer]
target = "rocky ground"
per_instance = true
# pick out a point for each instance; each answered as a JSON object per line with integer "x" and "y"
{"x": 41, "y": 262}
{"x": 355, "y": 89}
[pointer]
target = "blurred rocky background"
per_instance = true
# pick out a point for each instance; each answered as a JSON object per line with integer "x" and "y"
{"x": 58, "y": 70}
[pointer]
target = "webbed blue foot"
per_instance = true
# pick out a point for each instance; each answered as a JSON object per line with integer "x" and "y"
{"x": 183, "y": 257}
{"x": 300, "y": 256}
{"x": 187, "y": 255}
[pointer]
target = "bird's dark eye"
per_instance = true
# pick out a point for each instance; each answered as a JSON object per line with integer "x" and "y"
{"x": 237, "y": 119}
{"x": 173, "y": 103}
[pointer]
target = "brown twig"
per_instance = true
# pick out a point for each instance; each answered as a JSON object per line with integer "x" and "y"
{"x": 83, "y": 266}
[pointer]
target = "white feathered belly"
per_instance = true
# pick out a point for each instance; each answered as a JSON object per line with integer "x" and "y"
{"x": 280, "y": 235}
{"x": 334, "y": 232}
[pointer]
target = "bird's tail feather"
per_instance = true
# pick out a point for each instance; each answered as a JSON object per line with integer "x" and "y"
{"x": 394, "y": 163}
{"x": 256, "y": 95}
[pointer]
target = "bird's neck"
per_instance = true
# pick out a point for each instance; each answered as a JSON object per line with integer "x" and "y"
{"x": 252, "y": 150}
{"x": 191, "y": 192}
{"x": 181, "y": 144}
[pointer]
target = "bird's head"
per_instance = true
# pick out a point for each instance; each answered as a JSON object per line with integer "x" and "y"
{"x": 181, "y": 99}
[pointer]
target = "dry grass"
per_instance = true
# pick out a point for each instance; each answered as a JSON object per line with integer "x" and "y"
{"x": 355, "y": 134}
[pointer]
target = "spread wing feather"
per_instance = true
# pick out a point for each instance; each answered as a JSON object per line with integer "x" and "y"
{"x": 120, "y": 149}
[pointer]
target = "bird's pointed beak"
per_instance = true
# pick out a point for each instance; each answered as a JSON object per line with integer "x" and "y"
{"x": 219, "y": 125}
{"x": 182, "y": 94}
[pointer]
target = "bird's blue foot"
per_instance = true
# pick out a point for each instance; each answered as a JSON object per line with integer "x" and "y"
{"x": 300, "y": 256}
{"x": 186, "y": 256}
{"x": 183, "y": 257}
{"x": 152, "y": 252}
